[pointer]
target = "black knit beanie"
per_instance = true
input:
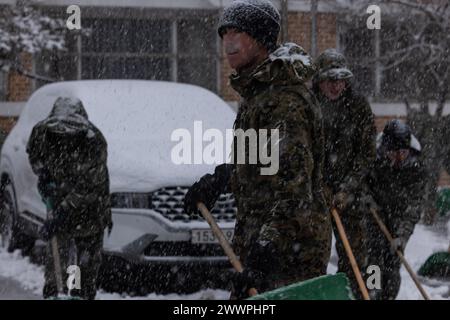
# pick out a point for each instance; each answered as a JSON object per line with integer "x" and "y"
{"x": 258, "y": 18}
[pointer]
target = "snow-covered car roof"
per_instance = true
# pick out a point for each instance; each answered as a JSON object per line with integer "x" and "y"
{"x": 137, "y": 119}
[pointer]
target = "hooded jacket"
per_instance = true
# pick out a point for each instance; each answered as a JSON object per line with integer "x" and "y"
{"x": 69, "y": 156}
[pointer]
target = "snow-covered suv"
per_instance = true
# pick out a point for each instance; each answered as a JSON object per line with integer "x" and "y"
{"x": 137, "y": 119}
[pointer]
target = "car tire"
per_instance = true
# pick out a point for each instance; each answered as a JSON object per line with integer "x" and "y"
{"x": 13, "y": 237}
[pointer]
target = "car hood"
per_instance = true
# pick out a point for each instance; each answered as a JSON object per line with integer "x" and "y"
{"x": 137, "y": 166}
{"x": 138, "y": 120}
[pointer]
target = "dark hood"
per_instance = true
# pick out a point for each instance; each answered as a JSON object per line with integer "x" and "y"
{"x": 68, "y": 117}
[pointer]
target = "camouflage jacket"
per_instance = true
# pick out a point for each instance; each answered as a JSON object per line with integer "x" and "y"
{"x": 398, "y": 192}
{"x": 350, "y": 141}
{"x": 288, "y": 206}
{"x": 69, "y": 154}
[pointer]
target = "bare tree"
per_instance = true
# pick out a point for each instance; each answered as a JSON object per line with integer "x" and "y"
{"x": 416, "y": 53}
{"x": 23, "y": 29}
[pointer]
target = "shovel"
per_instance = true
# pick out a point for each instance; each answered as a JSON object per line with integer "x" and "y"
{"x": 350, "y": 255}
{"x": 388, "y": 236}
{"x": 234, "y": 260}
{"x": 329, "y": 287}
{"x": 437, "y": 265}
{"x": 57, "y": 260}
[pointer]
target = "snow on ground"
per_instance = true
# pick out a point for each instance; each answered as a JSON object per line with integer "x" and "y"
{"x": 208, "y": 294}
{"x": 29, "y": 276}
{"x": 20, "y": 279}
{"x": 422, "y": 244}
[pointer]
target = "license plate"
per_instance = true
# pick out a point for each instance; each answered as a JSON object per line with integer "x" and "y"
{"x": 207, "y": 236}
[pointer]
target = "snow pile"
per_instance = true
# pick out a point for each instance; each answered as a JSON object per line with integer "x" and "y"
{"x": 208, "y": 294}
{"x": 31, "y": 278}
{"x": 15, "y": 266}
{"x": 422, "y": 244}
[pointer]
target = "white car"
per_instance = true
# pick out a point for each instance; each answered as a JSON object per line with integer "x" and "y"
{"x": 137, "y": 119}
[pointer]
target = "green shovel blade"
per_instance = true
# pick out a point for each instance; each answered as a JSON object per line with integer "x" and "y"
{"x": 329, "y": 287}
{"x": 436, "y": 266}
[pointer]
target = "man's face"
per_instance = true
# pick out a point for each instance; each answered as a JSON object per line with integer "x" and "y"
{"x": 332, "y": 89}
{"x": 397, "y": 157}
{"x": 241, "y": 50}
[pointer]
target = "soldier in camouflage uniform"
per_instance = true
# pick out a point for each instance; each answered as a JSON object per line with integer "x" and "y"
{"x": 397, "y": 186}
{"x": 349, "y": 151}
{"x": 68, "y": 154}
{"x": 283, "y": 228}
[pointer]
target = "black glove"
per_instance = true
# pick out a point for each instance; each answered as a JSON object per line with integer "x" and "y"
{"x": 245, "y": 280}
{"x": 262, "y": 260}
{"x": 201, "y": 191}
{"x": 208, "y": 188}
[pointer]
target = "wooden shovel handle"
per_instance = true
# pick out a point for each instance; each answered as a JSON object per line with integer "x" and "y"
{"x": 57, "y": 265}
{"x": 55, "y": 254}
{"x": 388, "y": 235}
{"x": 351, "y": 257}
{"x": 234, "y": 260}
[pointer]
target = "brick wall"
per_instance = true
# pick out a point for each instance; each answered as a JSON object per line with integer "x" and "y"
{"x": 299, "y": 30}
{"x": 19, "y": 86}
{"x": 7, "y": 123}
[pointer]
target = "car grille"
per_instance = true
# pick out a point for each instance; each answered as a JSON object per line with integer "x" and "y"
{"x": 169, "y": 203}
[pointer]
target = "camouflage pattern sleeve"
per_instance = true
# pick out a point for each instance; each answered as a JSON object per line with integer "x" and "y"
{"x": 319, "y": 154}
{"x": 365, "y": 144}
{"x": 293, "y": 182}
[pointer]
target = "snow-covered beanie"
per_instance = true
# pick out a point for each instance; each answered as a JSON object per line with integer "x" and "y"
{"x": 332, "y": 65}
{"x": 258, "y": 18}
{"x": 396, "y": 135}
{"x": 68, "y": 117}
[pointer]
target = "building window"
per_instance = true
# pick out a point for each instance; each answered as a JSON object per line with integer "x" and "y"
{"x": 197, "y": 52}
{"x": 127, "y": 49}
{"x": 181, "y": 48}
{"x": 58, "y": 66}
